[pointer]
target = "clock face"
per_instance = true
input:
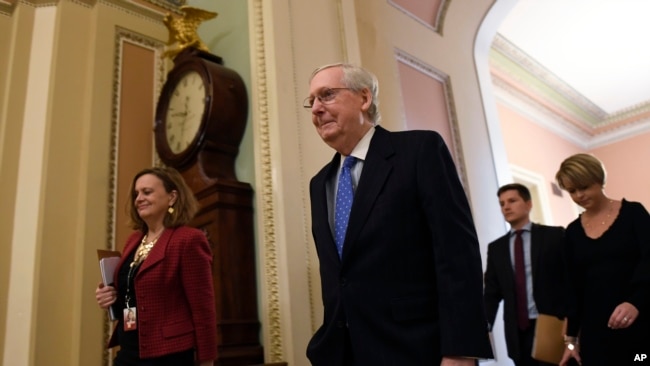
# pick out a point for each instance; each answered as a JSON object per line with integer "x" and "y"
{"x": 185, "y": 112}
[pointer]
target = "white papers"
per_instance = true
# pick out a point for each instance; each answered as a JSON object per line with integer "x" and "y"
{"x": 108, "y": 261}
{"x": 108, "y": 267}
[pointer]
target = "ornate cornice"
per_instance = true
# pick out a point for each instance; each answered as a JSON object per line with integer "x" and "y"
{"x": 168, "y": 4}
{"x": 153, "y": 9}
{"x": 539, "y": 72}
{"x": 7, "y": 6}
{"x": 524, "y": 73}
{"x": 562, "y": 124}
{"x": 145, "y": 9}
{"x": 538, "y": 113}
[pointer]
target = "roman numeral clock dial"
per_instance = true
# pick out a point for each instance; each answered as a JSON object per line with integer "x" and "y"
{"x": 201, "y": 116}
{"x": 185, "y": 112}
{"x": 186, "y": 108}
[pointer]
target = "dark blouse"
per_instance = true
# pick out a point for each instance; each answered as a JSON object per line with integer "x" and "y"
{"x": 128, "y": 340}
{"x": 605, "y": 272}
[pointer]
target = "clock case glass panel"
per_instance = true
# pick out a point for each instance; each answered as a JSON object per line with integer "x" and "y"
{"x": 185, "y": 111}
{"x": 179, "y": 155}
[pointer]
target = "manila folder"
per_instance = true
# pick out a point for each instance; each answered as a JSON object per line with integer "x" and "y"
{"x": 548, "y": 345}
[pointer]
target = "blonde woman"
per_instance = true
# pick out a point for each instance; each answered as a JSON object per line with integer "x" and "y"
{"x": 608, "y": 256}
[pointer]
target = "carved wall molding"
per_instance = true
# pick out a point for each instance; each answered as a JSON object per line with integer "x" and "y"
{"x": 123, "y": 36}
{"x": 7, "y": 7}
{"x": 168, "y": 4}
{"x": 145, "y": 10}
{"x": 40, "y": 3}
{"x": 434, "y": 73}
{"x": 301, "y": 168}
{"x": 438, "y": 24}
{"x": 273, "y": 348}
{"x": 150, "y": 9}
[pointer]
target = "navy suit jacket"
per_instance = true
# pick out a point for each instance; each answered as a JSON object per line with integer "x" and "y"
{"x": 408, "y": 288}
{"x": 549, "y": 281}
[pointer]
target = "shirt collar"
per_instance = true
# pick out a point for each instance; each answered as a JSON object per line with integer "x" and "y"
{"x": 361, "y": 150}
{"x": 526, "y": 227}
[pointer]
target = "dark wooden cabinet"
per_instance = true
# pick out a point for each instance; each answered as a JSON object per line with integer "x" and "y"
{"x": 226, "y": 215}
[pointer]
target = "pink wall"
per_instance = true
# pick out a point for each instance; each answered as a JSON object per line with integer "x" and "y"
{"x": 536, "y": 149}
{"x": 425, "y": 104}
{"x": 628, "y": 171}
{"x": 425, "y": 10}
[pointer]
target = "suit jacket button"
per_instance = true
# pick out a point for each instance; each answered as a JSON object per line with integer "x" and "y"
{"x": 340, "y": 324}
{"x": 343, "y": 281}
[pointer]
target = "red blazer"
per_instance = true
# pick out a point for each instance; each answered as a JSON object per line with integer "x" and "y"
{"x": 175, "y": 295}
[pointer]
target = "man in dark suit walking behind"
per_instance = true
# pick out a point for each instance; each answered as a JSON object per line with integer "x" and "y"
{"x": 400, "y": 265}
{"x": 539, "y": 288}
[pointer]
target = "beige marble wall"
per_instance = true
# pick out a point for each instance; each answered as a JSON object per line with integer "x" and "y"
{"x": 58, "y": 119}
{"x": 58, "y": 114}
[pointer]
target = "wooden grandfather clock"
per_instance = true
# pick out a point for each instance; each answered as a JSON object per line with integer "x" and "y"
{"x": 200, "y": 120}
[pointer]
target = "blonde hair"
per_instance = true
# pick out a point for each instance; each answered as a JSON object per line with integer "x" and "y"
{"x": 581, "y": 170}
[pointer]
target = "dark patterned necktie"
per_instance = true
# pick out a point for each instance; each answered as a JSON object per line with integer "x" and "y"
{"x": 344, "y": 198}
{"x": 520, "y": 282}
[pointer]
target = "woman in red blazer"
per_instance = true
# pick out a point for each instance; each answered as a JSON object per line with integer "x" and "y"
{"x": 163, "y": 280}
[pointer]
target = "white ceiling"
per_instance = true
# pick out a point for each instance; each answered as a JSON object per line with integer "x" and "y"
{"x": 599, "y": 47}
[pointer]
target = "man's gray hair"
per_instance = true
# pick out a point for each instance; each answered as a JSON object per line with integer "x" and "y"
{"x": 357, "y": 78}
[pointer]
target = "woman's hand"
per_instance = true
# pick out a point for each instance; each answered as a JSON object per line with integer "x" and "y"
{"x": 623, "y": 316}
{"x": 105, "y": 295}
{"x": 569, "y": 354}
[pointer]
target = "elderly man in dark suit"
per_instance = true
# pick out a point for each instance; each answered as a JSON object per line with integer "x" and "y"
{"x": 399, "y": 258}
{"x": 540, "y": 286}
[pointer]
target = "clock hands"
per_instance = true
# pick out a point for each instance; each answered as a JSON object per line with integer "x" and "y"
{"x": 185, "y": 113}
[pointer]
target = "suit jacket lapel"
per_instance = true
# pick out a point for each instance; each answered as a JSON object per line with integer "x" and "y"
{"x": 506, "y": 266}
{"x": 376, "y": 170}
{"x": 320, "y": 205}
{"x": 536, "y": 240}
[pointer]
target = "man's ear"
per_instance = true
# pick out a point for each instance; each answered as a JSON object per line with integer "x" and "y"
{"x": 366, "y": 96}
{"x": 529, "y": 205}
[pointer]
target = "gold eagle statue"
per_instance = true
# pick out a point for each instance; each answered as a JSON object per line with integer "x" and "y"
{"x": 182, "y": 30}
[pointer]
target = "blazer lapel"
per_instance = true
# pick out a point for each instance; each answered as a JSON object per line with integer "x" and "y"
{"x": 132, "y": 243}
{"x": 158, "y": 251}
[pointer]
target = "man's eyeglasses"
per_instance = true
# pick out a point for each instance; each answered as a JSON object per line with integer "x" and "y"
{"x": 326, "y": 96}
